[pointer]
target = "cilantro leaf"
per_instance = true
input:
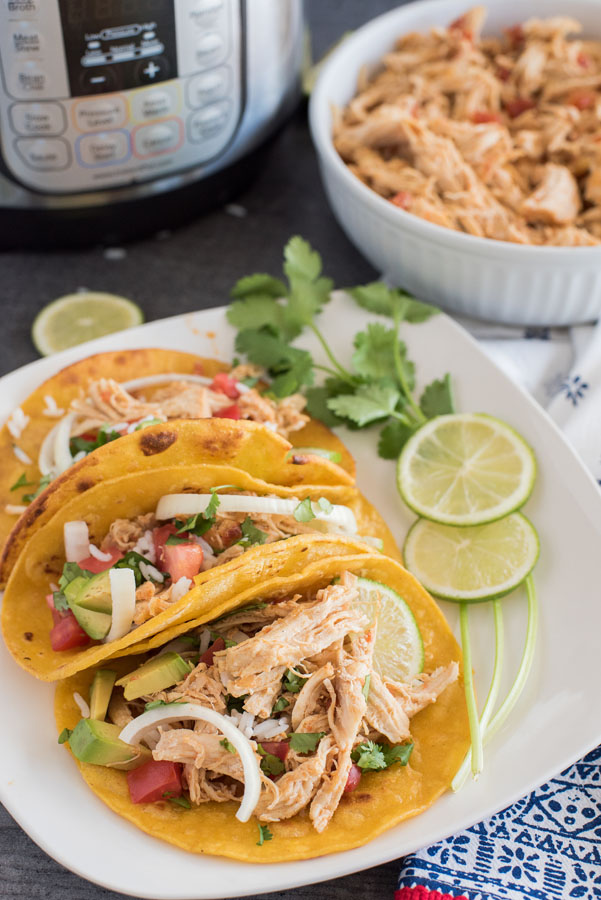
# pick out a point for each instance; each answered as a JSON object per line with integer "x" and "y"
{"x": 324, "y": 505}
{"x": 65, "y": 735}
{"x": 21, "y": 482}
{"x": 378, "y": 298}
{"x": 200, "y": 523}
{"x": 258, "y": 284}
{"x": 374, "y": 353}
{"x": 290, "y": 367}
{"x": 264, "y": 834}
{"x": 317, "y": 406}
{"x": 105, "y": 435}
{"x": 251, "y": 534}
{"x": 280, "y": 704}
{"x": 260, "y": 311}
{"x": 393, "y": 438}
{"x": 301, "y": 261}
{"x": 43, "y": 483}
{"x": 174, "y": 540}
{"x": 132, "y": 561}
{"x": 292, "y": 681}
{"x": 369, "y": 755}
{"x": 177, "y": 801}
{"x": 437, "y": 398}
{"x": 155, "y": 704}
{"x": 70, "y": 572}
{"x": 397, "y": 753}
{"x": 305, "y": 742}
{"x": 365, "y": 688}
{"x": 304, "y": 511}
{"x": 270, "y": 764}
{"x": 228, "y": 745}
{"x": 416, "y": 311}
{"x": 369, "y": 403}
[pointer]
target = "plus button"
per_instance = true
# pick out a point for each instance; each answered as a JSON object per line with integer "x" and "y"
{"x": 151, "y": 70}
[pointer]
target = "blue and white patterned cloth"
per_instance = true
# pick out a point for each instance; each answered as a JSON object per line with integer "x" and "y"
{"x": 548, "y": 845}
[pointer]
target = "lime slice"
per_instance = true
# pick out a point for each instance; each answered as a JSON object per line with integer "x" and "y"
{"x": 399, "y": 650}
{"x": 472, "y": 564}
{"x": 465, "y": 469}
{"x": 76, "y": 318}
{"x": 333, "y": 455}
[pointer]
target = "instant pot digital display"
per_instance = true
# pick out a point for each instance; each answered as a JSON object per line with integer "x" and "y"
{"x": 118, "y": 44}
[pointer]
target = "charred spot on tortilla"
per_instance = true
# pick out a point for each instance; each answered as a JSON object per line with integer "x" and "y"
{"x": 218, "y": 446}
{"x": 84, "y": 485}
{"x": 28, "y": 635}
{"x": 156, "y": 442}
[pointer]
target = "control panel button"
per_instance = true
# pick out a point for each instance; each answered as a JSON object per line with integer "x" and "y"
{"x": 105, "y": 112}
{"x": 22, "y": 7}
{"x": 44, "y": 154}
{"x": 102, "y": 149}
{"x": 163, "y": 137}
{"x": 208, "y": 122}
{"x": 28, "y": 79}
{"x": 98, "y": 80}
{"x": 154, "y": 103}
{"x": 149, "y": 71}
{"x": 205, "y": 12}
{"x": 210, "y": 49}
{"x": 37, "y": 118}
{"x": 208, "y": 87}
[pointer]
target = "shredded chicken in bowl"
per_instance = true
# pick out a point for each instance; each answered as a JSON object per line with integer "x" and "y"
{"x": 498, "y": 137}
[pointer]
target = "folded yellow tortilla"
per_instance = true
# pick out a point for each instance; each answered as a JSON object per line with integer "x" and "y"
{"x": 256, "y": 452}
{"x": 383, "y": 799}
{"x": 26, "y": 619}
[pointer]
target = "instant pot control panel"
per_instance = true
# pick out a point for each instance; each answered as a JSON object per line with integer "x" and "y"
{"x": 96, "y": 94}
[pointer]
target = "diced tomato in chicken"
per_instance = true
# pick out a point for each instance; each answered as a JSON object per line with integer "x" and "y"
{"x": 182, "y": 560}
{"x": 159, "y": 538}
{"x": 503, "y": 73}
{"x": 583, "y": 60}
{"x": 228, "y": 412}
{"x": 67, "y": 633}
{"x": 515, "y": 35}
{"x": 91, "y": 564}
{"x": 157, "y": 779}
{"x": 402, "y": 199}
{"x": 582, "y": 99}
{"x": 483, "y": 116}
{"x": 207, "y": 656}
{"x": 354, "y": 777}
{"x": 516, "y": 107}
{"x": 225, "y": 384}
{"x": 276, "y": 748}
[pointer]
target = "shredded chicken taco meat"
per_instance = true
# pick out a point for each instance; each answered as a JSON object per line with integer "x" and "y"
{"x": 147, "y": 563}
{"x": 303, "y": 711}
{"x": 498, "y": 137}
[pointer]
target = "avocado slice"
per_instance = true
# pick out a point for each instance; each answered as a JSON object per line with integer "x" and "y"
{"x": 155, "y": 675}
{"x": 99, "y": 743}
{"x": 100, "y": 693}
{"x": 91, "y": 603}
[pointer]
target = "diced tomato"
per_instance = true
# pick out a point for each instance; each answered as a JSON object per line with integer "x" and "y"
{"x": 582, "y": 99}
{"x": 515, "y": 35}
{"x": 276, "y": 748}
{"x": 583, "y": 60}
{"x": 91, "y": 564}
{"x": 228, "y": 412}
{"x": 154, "y": 779}
{"x": 159, "y": 538}
{"x": 516, "y": 107}
{"x": 183, "y": 560}
{"x": 67, "y": 633}
{"x": 483, "y": 116}
{"x": 503, "y": 74}
{"x": 225, "y": 384}
{"x": 402, "y": 199}
{"x": 354, "y": 777}
{"x": 207, "y": 656}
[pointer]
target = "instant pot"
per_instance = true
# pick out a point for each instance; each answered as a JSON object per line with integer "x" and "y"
{"x": 123, "y": 117}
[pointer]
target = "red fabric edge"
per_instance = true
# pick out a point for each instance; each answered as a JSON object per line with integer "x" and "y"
{"x": 419, "y": 892}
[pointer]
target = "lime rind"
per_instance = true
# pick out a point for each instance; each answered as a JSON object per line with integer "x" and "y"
{"x": 399, "y": 649}
{"x": 76, "y": 318}
{"x": 428, "y": 554}
{"x": 497, "y": 485}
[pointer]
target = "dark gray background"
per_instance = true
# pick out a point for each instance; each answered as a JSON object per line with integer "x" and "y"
{"x": 193, "y": 268}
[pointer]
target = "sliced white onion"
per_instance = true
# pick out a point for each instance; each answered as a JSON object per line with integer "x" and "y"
{"x": 151, "y": 573}
{"x": 137, "y": 383}
{"x": 46, "y": 455}
{"x": 205, "y": 640}
{"x": 180, "y": 588}
{"x": 62, "y": 454}
{"x": 376, "y": 542}
{"x": 83, "y": 706}
{"x": 123, "y": 600}
{"x": 172, "y": 505}
{"x": 77, "y": 541}
{"x": 133, "y": 733}
{"x": 51, "y": 409}
{"x": 13, "y": 509}
{"x": 270, "y": 728}
{"x": 21, "y": 455}
{"x": 98, "y": 554}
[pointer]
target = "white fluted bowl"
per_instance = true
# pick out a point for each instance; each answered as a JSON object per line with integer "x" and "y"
{"x": 469, "y": 275}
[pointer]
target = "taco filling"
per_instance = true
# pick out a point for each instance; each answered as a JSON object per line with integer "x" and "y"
{"x": 279, "y": 706}
{"x": 110, "y": 409}
{"x": 147, "y": 563}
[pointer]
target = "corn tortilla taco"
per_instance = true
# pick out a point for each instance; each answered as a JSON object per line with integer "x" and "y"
{"x": 93, "y": 401}
{"x": 139, "y": 554}
{"x": 276, "y": 727}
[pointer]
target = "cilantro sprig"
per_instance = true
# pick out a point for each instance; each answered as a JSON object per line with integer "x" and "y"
{"x": 371, "y": 756}
{"x": 379, "y": 386}
{"x": 264, "y": 834}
